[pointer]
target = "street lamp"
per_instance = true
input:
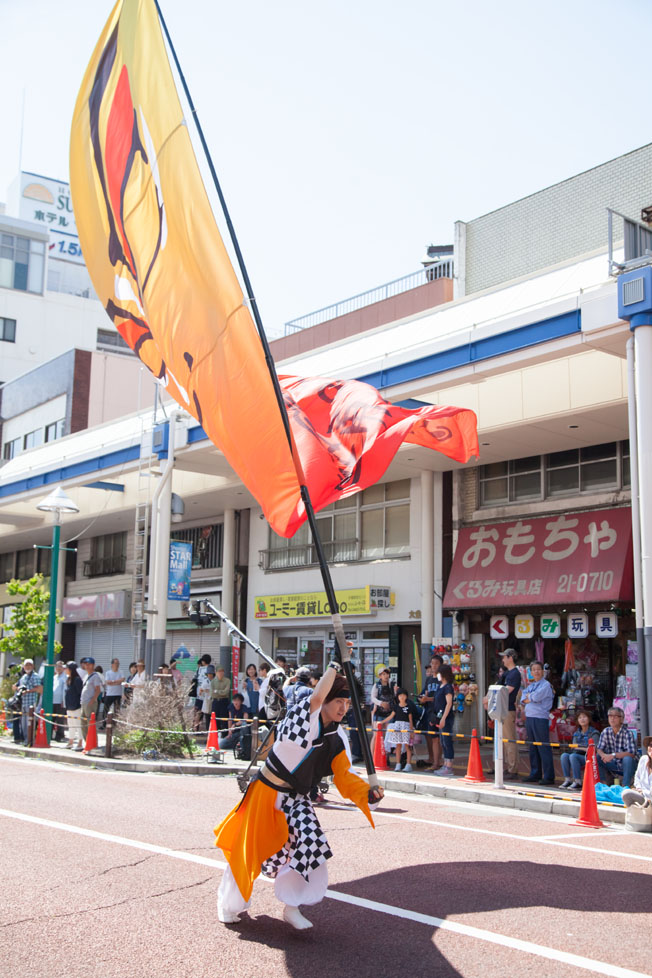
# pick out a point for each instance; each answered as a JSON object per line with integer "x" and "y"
{"x": 57, "y": 502}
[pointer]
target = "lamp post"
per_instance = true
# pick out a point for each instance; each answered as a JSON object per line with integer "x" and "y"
{"x": 57, "y": 502}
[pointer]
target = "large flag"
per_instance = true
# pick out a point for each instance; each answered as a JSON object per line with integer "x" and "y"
{"x": 161, "y": 271}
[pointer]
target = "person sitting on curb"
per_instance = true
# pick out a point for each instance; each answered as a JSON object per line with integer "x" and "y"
{"x": 642, "y": 778}
{"x": 616, "y": 749}
{"x": 574, "y": 761}
{"x": 239, "y": 727}
{"x": 537, "y": 700}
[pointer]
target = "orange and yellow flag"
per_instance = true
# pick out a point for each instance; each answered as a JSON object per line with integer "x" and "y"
{"x": 156, "y": 258}
{"x": 161, "y": 271}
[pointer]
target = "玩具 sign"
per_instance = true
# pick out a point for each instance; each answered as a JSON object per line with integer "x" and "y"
{"x": 570, "y": 558}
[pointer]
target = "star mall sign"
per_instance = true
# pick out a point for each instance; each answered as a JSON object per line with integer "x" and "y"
{"x": 550, "y": 560}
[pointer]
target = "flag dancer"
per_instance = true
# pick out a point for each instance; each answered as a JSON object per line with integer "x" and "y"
{"x": 274, "y": 829}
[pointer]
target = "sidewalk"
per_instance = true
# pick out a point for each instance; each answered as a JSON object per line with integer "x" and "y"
{"x": 514, "y": 795}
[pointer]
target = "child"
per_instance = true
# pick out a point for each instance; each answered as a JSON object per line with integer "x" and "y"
{"x": 401, "y": 731}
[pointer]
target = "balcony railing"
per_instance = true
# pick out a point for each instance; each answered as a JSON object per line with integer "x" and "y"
{"x": 105, "y": 566}
{"x": 440, "y": 269}
{"x": 286, "y": 558}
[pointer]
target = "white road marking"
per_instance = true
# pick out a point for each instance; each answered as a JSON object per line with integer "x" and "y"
{"x": 545, "y": 840}
{"x": 465, "y": 930}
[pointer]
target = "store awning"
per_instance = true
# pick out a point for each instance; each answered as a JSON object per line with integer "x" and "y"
{"x": 573, "y": 558}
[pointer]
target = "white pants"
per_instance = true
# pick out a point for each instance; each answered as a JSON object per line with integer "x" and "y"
{"x": 74, "y": 725}
{"x": 290, "y": 887}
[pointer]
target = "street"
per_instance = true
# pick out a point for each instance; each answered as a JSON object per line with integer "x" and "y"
{"x": 115, "y": 874}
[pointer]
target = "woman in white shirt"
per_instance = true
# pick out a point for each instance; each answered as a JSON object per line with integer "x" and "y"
{"x": 642, "y": 778}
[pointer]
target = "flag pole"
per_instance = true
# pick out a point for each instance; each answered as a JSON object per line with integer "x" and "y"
{"x": 340, "y": 642}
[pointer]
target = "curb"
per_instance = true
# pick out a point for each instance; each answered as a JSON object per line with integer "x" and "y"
{"x": 458, "y": 792}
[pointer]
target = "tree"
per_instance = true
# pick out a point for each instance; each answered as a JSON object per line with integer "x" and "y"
{"x": 27, "y": 630}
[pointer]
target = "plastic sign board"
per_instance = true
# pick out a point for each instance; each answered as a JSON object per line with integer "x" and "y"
{"x": 548, "y": 561}
{"x": 524, "y": 626}
{"x": 499, "y": 626}
{"x": 550, "y": 626}
{"x": 577, "y": 625}
{"x": 353, "y": 601}
{"x": 180, "y": 570}
{"x": 606, "y": 624}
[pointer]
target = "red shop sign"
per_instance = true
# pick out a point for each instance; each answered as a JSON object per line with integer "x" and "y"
{"x": 575, "y": 558}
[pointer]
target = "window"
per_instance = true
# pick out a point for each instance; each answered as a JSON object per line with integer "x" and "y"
{"x": 206, "y": 544}
{"x": 371, "y": 525}
{"x": 33, "y": 439}
{"x": 6, "y": 567}
{"x": 108, "y": 555}
{"x": 55, "y": 430}
{"x": 7, "y": 330}
{"x": 25, "y": 564}
{"x": 22, "y": 261}
{"x": 12, "y": 448}
{"x": 572, "y": 471}
{"x": 43, "y": 561}
{"x": 108, "y": 338}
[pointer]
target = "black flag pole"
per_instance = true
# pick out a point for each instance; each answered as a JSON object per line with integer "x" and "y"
{"x": 305, "y": 495}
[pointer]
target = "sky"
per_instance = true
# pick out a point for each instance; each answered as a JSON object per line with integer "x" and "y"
{"x": 350, "y": 135}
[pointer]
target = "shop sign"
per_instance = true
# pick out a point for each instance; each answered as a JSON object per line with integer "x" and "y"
{"x": 606, "y": 624}
{"x": 577, "y": 625}
{"x": 48, "y": 203}
{"x": 524, "y": 626}
{"x": 499, "y": 626}
{"x": 235, "y": 663}
{"x": 112, "y": 606}
{"x": 573, "y": 557}
{"x": 550, "y": 626}
{"x": 179, "y": 570}
{"x": 313, "y": 604}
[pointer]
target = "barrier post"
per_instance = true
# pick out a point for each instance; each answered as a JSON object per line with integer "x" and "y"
{"x": 30, "y": 726}
{"x": 108, "y": 747}
{"x": 498, "y": 754}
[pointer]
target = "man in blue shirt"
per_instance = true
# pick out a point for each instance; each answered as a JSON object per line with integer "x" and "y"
{"x": 537, "y": 700}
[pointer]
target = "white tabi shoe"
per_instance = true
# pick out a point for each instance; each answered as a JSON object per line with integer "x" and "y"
{"x": 294, "y": 917}
{"x": 227, "y": 918}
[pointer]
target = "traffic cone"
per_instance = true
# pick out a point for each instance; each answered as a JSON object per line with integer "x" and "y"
{"x": 588, "y": 805}
{"x": 474, "y": 772}
{"x": 91, "y": 736}
{"x": 41, "y": 739}
{"x": 212, "y": 742}
{"x": 380, "y": 754}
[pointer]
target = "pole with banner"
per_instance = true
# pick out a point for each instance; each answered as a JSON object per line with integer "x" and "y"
{"x": 235, "y": 663}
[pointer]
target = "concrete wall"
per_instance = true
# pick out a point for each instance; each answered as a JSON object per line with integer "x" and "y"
{"x": 554, "y": 225}
{"x": 398, "y": 307}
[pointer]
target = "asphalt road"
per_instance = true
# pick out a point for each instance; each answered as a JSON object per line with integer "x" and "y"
{"x": 114, "y": 874}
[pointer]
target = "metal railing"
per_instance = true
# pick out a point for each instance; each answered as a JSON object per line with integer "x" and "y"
{"x": 285, "y": 558}
{"x": 440, "y": 269}
{"x": 637, "y": 243}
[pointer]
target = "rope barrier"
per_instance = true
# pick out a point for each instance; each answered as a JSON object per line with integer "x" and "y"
{"x": 373, "y": 729}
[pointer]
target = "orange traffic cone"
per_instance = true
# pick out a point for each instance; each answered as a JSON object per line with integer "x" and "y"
{"x": 91, "y": 736}
{"x": 588, "y": 805}
{"x": 380, "y": 754}
{"x": 474, "y": 772}
{"x": 212, "y": 742}
{"x": 41, "y": 739}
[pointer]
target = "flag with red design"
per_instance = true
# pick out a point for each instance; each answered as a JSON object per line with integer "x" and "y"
{"x": 161, "y": 270}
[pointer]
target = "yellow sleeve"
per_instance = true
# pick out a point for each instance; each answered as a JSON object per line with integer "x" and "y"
{"x": 350, "y": 785}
